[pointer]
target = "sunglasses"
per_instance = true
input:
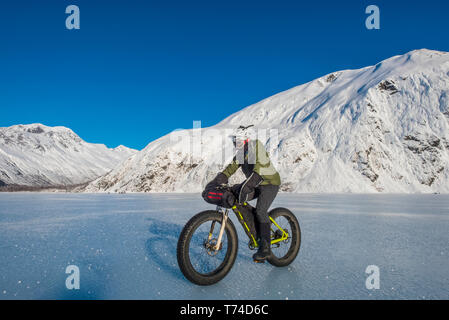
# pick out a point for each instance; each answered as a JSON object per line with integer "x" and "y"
{"x": 238, "y": 142}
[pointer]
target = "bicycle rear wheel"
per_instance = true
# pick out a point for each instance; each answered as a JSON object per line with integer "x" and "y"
{"x": 284, "y": 252}
{"x": 197, "y": 258}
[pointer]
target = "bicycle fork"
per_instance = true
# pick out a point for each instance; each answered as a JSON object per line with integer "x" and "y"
{"x": 223, "y": 225}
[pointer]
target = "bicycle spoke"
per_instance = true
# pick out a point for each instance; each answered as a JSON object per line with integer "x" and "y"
{"x": 280, "y": 249}
{"x": 204, "y": 258}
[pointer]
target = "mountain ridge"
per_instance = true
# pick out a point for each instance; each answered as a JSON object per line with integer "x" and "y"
{"x": 36, "y": 155}
{"x": 381, "y": 128}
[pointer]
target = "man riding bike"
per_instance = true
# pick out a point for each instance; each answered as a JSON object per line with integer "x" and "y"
{"x": 262, "y": 183}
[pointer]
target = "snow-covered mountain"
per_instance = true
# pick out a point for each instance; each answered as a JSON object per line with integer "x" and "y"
{"x": 37, "y": 155}
{"x": 383, "y": 128}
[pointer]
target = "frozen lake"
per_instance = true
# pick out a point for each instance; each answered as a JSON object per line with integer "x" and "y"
{"x": 125, "y": 248}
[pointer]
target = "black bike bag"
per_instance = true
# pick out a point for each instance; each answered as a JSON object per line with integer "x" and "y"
{"x": 219, "y": 196}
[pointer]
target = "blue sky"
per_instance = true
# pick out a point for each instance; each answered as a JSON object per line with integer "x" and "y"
{"x": 137, "y": 70}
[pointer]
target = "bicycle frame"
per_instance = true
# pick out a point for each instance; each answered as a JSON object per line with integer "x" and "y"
{"x": 225, "y": 211}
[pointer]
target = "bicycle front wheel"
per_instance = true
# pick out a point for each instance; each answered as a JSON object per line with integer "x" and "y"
{"x": 199, "y": 258}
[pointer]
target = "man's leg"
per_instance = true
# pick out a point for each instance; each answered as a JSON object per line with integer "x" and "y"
{"x": 264, "y": 201}
{"x": 265, "y": 198}
{"x": 249, "y": 213}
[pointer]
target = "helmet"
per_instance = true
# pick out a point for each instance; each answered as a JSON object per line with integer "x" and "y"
{"x": 241, "y": 135}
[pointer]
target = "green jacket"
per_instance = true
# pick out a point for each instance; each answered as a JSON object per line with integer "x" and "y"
{"x": 254, "y": 158}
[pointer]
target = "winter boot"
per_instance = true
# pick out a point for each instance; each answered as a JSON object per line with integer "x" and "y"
{"x": 264, "y": 251}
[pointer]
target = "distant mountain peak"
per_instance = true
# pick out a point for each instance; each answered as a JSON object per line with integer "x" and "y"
{"x": 39, "y": 155}
{"x": 39, "y": 127}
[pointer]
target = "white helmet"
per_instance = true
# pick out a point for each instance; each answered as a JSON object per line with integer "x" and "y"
{"x": 241, "y": 134}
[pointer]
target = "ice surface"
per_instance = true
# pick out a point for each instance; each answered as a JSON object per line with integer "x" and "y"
{"x": 125, "y": 248}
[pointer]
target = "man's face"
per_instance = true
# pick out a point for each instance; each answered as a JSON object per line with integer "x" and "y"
{"x": 239, "y": 142}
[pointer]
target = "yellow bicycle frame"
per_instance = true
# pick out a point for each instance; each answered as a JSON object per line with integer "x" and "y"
{"x": 239, "y": 215}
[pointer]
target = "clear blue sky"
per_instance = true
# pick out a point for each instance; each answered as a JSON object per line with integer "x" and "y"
{"x": 137, "y": 70}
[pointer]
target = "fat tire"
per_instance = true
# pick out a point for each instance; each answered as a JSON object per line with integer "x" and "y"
{"x": 295, "y": 231}
{"x": 182, "y": 251}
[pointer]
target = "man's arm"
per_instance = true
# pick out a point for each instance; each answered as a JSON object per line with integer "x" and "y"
{"x": 257, "y": 154}
{"x": 262, "y": 159}
{"x": 222, "y": 177}
{"x": 264, "y": 167}
{"x": 231, "y": 168}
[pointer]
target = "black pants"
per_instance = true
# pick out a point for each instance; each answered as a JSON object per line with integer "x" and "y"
{"x": 265, "y": 196}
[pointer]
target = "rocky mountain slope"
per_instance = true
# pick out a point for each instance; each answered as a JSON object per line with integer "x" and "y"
{"x": 383, "y": 128}
{"x": 40, "y": 156}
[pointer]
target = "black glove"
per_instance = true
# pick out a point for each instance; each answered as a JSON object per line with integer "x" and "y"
{"x": 248, "y": 186}
{"x": 221, "y": 178}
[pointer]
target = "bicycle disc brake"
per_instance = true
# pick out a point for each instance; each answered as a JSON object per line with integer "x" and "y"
{"x": 209, "y": 245}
